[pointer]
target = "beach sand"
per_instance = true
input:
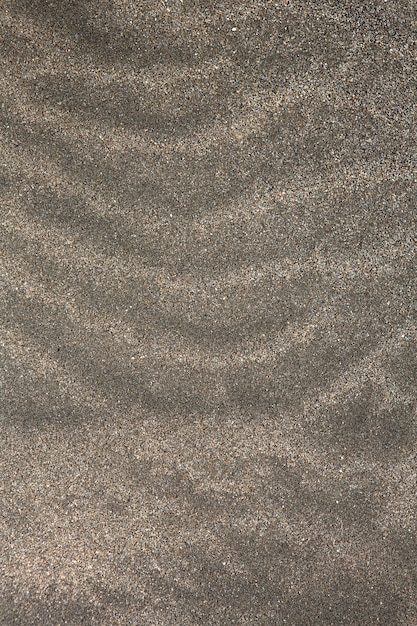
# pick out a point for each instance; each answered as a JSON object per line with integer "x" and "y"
{"x": 208, "y": 313}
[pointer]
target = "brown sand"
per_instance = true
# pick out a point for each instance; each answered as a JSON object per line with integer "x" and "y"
{"x": 208, "y": 313}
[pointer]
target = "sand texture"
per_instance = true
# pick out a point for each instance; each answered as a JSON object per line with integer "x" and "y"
{"x": 208, "y": 313}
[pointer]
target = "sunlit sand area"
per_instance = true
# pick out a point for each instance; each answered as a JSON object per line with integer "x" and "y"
{"x": 208, "y": 313}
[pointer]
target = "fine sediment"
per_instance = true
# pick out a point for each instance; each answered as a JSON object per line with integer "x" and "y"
{"x": 208, "y": 313}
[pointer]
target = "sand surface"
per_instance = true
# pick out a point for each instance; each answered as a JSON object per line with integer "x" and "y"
{"x": 208, "y": 313}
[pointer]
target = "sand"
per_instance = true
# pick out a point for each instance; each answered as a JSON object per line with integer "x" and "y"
{"x": 208, "y": 313}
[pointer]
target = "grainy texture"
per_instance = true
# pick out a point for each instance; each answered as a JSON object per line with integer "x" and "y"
{"x": 208, "y": 307}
